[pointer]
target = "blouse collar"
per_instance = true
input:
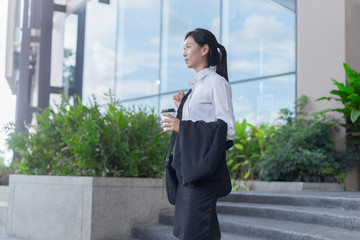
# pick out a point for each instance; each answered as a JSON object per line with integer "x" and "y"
{"x": 200, "y": 75}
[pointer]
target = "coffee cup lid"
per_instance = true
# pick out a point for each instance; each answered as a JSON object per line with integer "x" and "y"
{"x": 168, "y": 110}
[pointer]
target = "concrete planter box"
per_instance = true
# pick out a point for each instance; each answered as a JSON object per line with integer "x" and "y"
{"x": 289, "y": 186}
{"x": 56, "y": 207}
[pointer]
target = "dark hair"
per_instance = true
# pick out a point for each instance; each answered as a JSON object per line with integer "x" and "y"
{"x": 202, "y": 37}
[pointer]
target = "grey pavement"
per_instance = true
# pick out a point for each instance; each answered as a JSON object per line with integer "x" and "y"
{"x": 342, "y": 194}
{"x": 5, "y": 237}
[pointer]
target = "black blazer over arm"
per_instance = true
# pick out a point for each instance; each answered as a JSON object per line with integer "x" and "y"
{"x": 199, "y": 155}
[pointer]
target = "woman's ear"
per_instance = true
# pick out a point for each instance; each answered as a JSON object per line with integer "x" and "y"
{"x": 205, "y": 50}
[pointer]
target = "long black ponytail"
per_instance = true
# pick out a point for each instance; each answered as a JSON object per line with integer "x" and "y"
{"x": 215, "y": 57}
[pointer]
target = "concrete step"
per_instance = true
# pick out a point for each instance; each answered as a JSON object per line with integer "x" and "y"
{"x": 344, "y": 200}
{"x": 123, "y": 239}
{"x": 275, "y": 229}
{"x": 340, "y": 218}
{"x": 164, "y": 232}
{"x": 286, "y": 215}
{"x": 153, "y": 232}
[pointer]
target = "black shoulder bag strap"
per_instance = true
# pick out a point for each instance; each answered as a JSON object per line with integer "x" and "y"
{"x": 174, "y": 134}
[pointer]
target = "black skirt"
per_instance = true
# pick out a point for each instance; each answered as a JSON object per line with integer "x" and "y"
{"x": 195, "y": 212}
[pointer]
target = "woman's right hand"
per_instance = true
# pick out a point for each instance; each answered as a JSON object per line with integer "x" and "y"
{"x": 177, "y": 98}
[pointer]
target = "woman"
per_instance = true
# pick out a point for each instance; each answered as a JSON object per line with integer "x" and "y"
{"x": 209, "y": 101}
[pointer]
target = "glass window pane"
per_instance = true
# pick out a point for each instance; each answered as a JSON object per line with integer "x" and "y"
{"x": 141, "y": 41}
{"x": 69, "y": 62}
{"x": 151, "y": 102}
{"x": 260, "y": 101}
{"x": 180, "y": 17}
{"x": 99, "y": 56}
{"x": 138, "y": 44}
{"x": 166, "y": 101}
{"x": 259, "y": 36}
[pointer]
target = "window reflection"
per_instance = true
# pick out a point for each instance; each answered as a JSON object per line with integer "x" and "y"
{"x": 136, "y": 50}
{"x": 69, "y": 60}
{"x": 260, "y": 101}
{"x": 180, "y": 17}
{"x": 260, "y": 38}
{"x": 148, "y": 103}
{"x": 138, "y": 42}
{"x": 99, "y": 56}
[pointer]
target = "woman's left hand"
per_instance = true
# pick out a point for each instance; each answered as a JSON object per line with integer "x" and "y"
{"x": 170, "y": 124}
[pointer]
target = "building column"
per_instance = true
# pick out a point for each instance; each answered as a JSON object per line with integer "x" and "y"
{"x": 47, "y": 9}
{"x": 326, "y": 37}
{"x": 23, "y": 114}
{"x": 352, "y": 56}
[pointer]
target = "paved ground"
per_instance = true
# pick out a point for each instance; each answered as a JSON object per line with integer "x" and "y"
{"x": 4, "y": 237}
{"x": 342, "y": 194}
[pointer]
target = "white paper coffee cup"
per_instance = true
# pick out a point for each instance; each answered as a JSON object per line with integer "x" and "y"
{"x": 171, "y": 111}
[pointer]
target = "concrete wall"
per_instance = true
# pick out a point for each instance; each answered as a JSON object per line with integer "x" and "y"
{"x": 3, "y": 206}
{"x": 327, "y": 35}
{"x": 79, "y": 208}
{"x": 320, "y": 53}
{"x": 120, "y": 203}
{"x": 352, "y": 20}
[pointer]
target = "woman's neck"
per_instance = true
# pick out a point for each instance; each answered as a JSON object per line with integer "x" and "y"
{"x": 200, "y": 67}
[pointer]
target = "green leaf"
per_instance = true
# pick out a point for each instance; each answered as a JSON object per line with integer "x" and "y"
{"x": 239, "y": 146}
{"x": 246, "y": 176}
{"x": 353, "y": 76}
{"x": 341, "y": 110}
{"x": 236, "y": 166}
{"x": 341, "y": 94}
{"x": 324, "y": 98}
{"x": 355, "y": 113}
{"x": 355, "y": 97}
{"x": 342, "y": 87}
{"x": 353, "y": 133}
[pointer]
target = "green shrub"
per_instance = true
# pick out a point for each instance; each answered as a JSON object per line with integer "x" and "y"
{"x": 250, "y": 141}
{"x": 303, "y": 149}
{"x": 80, "y": 140}
{"x": 297, "y": 149}
{"x": 4, "y": 172}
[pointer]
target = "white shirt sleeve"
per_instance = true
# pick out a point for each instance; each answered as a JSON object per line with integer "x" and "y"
{"x": 222, "y": 101}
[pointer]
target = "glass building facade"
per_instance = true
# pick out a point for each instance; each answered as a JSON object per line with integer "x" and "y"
{"x": 135, "y": 49}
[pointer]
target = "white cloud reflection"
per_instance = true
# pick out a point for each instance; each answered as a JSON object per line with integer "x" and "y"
{"x": 263, "y": 44}
{"x": 243, "y": 65}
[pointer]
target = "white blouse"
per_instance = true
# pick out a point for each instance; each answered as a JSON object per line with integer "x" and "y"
{"x": 209, "y": 100}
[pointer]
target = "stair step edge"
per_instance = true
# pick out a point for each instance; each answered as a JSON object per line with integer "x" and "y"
{"x": 261, "y": 227}
{"x": 326, "y": 217}
{"x": 167, "y": 232}
{"x": 349, "y": 203}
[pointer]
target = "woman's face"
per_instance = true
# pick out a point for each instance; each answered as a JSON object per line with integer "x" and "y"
{"x": 194, "y": 54}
